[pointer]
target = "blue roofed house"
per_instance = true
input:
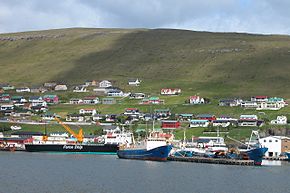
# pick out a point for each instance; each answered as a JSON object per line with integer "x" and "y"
{"x": 198, "y": 123}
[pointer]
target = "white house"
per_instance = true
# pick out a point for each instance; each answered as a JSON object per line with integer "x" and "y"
{"x": 80, "y": 88}
{"x": 116, "y": 93}
{"x": 24, "y": 89}
{"x": 280, "y": 120}
{"x": 7, "y": 107}
{"x": 75, "y": 101}
{"x": 105, "y": 84}
{"x": 230, "y": 102}
{"x": 259, "y": 98}
{"x": 48, "y": 116}
{"x": 88, "y": 111}
{"x": 249, "y": 104}
{"x": 270, "y": 105}
{"x": 37, "y": 101}
{"x": 170, "y": 91}
{"x": 18, "y": 99}
{"x": 75, "y": 117}
{"x": 248, "y": 120}
{"x": 274, "y": 145}
{"x": 91, "y": 83}
{"x": 134, "y": 82}
{"x": 249, "y": 117}
{"x": 134, "y": 112}
{"x": 196, "y": 100}
{"x": 60, "y": 87}
{"x": 220, "y": 123}
{"x": 91, "y": 100}
{"x": 137, "y": 96}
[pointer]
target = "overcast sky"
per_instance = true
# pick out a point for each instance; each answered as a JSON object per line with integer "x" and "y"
{"x": 252, "y": 16}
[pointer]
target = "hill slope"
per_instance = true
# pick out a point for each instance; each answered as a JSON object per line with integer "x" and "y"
{"x": 198, "y": 62}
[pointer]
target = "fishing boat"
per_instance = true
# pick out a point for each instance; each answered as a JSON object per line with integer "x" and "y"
{"x": 215, "y": 147}
{"x": 254, "y": 151}
{"x": 9, "y": 143}
{"x": 256, "y": 154}
{"x": 288, "y": 155}
{"x": 155, "y": 147}
{"x": 201, "y": 146}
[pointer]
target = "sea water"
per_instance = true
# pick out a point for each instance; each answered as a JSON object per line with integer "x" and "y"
{"x": 81, "y": 173}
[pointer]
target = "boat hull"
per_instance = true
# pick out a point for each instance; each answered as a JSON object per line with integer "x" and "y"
{"x": 110, "y": 148}
{"x": 157, "y": 154}
{"x": 257, "y": 154}
{"x": 288, "y": 155}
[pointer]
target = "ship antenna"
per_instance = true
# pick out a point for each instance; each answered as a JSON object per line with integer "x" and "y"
{"x": 153, "y": 124}
{"x": 45, "y": 130}
{"x": 184, "y": 136}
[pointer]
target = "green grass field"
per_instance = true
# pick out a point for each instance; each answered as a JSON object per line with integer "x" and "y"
{"x": 212, "y": 65}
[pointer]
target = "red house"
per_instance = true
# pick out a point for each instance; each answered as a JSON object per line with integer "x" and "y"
{"x": 170, "y": 124}
{"x": 51, "y": 99}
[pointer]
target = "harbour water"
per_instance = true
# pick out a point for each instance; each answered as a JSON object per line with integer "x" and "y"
{"x": 86, "y": 173}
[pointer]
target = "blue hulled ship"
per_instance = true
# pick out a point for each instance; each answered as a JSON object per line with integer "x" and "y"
{"x": 257, "y": 154}
{"x": 254, "y": 150}
{"x": 153, "y": 148}
{"x": 288, "y": 155}
{"x": 156, "y": 154}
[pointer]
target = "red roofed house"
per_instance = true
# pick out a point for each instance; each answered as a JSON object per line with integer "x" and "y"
{"x": 51, "y": 99}
{"x": 5, "y": 97}
{"x": 208, "y": 117}
{"x": 196, "y": 100}
{"x": 248, "y": 120}
{"x": 170, "y": 91}
{"x": 169, "y": 124}
{"x": 259, "y": 98}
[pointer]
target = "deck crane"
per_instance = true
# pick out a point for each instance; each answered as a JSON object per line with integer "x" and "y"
{"x": 79, "y": 136}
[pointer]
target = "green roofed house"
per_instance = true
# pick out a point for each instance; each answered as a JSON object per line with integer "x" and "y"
{"x": 185, "y": 116}
{"x": 152, "y": 100}
{"x": 162, "y": 113}
{"x": 139, "y": 130}
{"x": 274, "y": 103}
{"x": 6, "y": 87}
{"x": 275, "y": 99}
{"x": 18, "y": 99}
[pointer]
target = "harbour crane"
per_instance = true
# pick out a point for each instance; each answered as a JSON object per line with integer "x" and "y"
{"x": 79, "y": 136}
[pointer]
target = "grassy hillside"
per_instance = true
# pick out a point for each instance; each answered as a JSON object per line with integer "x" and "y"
{"x": 211, "y": 64}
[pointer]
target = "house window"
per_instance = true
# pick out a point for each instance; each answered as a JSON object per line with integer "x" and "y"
{"x": 285, "y": 146}
{"x": 270, "y": 141}
{"x": 276, "y": 140}
{"x": 270, "y": 154}
{"x": 265, "y": 140}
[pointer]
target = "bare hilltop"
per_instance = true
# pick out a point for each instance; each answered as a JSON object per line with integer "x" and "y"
{"x": 224, "y": 64}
